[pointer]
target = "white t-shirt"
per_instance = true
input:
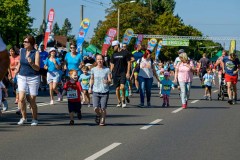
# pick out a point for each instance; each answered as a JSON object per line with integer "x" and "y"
{"x": 2, "y": 45}
{"x": 145, "y": 68}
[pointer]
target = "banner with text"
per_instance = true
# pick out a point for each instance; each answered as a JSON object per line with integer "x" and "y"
{"x": 49, "y": 27}
{"x": 127, "y": 36}
{"x": 175, "y": 42}
{"x": 84, "y": 26}
{"x": 232, "y": 48}
{"x": 111, "y": 34}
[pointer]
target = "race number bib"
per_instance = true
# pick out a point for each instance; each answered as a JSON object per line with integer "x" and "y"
{"x": 72, "y": 94}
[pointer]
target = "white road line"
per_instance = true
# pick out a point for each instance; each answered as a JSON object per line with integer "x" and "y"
{"x": 151, "y": 124}
{"x": 194, "y": 101}
{"x": 103, "y": 151}
{"x": 177, "y": 110}
{"x": 215, "y": 91}
{"x": 38, "y": 104}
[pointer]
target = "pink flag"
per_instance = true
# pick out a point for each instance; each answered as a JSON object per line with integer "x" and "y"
{"x": 111, "y": 34}
{"x": 49, "y": 26}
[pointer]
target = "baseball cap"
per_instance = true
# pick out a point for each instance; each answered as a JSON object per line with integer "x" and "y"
{"x": 181, "y": 51}
{"x": 114, "y": 43}
{"x": 52, "y": 49}
{"x": 166, "y": 74}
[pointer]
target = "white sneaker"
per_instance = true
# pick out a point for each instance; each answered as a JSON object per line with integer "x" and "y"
{"x": 22, "y": 121}
{"x": 124, "y": 105}
{"x": 51, "y": 102}
{"x": 34, "y": 122}
{"x": 89, "y": 105}
{"x": 59, "y": 97}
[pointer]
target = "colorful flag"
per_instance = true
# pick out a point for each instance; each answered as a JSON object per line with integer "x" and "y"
{"x": 111, "y": 34}
{"x": 127, "y": 36}
{"x": 151, "y": 44}
{"x": 158, "y": 49}
{"x": 232, "y": 48}
{"x": 49, "y": 26}
{"x": 84, "y": 26}
{"x": 139, "y": 40}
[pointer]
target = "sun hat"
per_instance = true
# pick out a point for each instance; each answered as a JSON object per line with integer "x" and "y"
{"x": 114, "y": 43}
{"x": 52, "y": 49}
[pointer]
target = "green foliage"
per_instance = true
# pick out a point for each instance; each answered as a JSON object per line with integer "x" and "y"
{"x": 66, "y": 28}
{"x": 56, "y": 29}
{"x": 14, "y": 20}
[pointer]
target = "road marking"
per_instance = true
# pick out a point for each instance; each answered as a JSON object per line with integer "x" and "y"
{"x": 194, "y": 101}
{"x": 195, "y": 77}
{"x": 215, "y": 91}
{"x": 103, "y": 151}
{"x": 177, "y": 110}
{"x": 151, "y": 124}
{"x": 38, "y": 104}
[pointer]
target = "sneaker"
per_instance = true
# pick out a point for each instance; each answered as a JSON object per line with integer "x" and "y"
{"x": 205, "y": 97}
{"x": 59, "y": 97}
{"x": 34, "y": 122}
{"x": 119, "y": 104}
{"x": 89, "y": 105}
{"x": 124, "y": 105}
{"x": 230, "y": 101}
{"x": 161, "y": 96}
{"x": 130, "y": 92}
{"x": 149, "y": 104}
{"x": 168, "y": 105}
{"x": 233, "y": 102}
{"x": 163, "y": 105}
{"x": 141, "y": 105}
{"x": 79, "y": 115}
{"x": 22, "y": 121}
{"x": 210, "y": 98}
{"x": 128, "y": 100}
{"x": 184, "y": 106}
{"x": 18, "y": 112}
{"x": 5, "y": 105}
{"x": 71, "y": 122}
{"x": 51, "y": 102}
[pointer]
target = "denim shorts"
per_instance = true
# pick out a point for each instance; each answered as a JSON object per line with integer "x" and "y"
{"x": 53, "y": 77}
{"x": 28, "y": 84}
{"x": 100, "y": 99}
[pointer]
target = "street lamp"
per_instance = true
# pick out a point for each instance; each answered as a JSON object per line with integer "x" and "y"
{"x": 118, "y": 28}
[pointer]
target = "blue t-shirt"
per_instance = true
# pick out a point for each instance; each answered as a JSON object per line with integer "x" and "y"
{"x": 208, "y": 79}
{"x": 171, "y": 66}
{"x": 99, "y": 76}
{"x": 85, "y": 79}
{"x": 51, "y": 66}
{"x": 229, "y": 65}
{"x": 73, "y": 62}
{"x": 166, "y": 86}
{"x": 43, "y": 56}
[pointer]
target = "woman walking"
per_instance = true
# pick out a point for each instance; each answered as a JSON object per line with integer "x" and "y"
{"x": 52, "y": 64}
{"x": 184, "y": 75}
{"x": 99, "y": 86}
{"x": 28, "y": 79}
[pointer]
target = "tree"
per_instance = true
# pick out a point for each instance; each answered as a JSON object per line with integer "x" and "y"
{"x": 66, "y": 28}
{"x": 56, "y": 29}
{"x": 14, "y": 20}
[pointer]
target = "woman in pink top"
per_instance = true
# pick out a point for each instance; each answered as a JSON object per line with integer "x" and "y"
{"x": 184, "y": 75}
{"x": 14, "y": 61}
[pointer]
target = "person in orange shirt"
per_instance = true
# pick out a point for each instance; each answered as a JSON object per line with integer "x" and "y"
{"x": 14, "y": 61}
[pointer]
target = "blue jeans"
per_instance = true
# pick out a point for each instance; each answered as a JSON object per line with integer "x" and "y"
{"x": 185, "y": 91}
{"x": 145, "y": 84}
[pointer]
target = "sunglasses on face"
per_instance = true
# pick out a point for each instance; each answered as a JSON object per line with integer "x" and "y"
{"x": 25, "y": 42}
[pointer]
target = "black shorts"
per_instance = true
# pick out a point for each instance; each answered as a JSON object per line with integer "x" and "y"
{"x": 74, "y": 107}
{"x": 43, "y": 72}
{"x": 117, "y": 80}
{"x": 208, "y": 87}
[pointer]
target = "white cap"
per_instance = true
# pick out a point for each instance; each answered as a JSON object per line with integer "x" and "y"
{"x": 52, "y": 49}
{"x": 114, "y": 43}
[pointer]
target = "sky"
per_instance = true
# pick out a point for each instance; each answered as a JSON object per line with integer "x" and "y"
{"x": 211, "y": 17}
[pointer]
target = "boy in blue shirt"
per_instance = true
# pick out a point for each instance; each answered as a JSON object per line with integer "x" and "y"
{"x": 208, "y": 80}
{"x": 85, "y": 79}
{"x": 167, "y": 85}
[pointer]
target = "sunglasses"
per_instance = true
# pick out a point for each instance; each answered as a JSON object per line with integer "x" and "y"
{"x": 25, "y": 42}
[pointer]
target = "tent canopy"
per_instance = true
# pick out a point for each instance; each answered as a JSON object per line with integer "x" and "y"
{"x": 93, "y": 49}
{"x": 214, "y": 58}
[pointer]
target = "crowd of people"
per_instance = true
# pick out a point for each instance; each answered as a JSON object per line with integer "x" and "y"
{"x": 28, "y": 69}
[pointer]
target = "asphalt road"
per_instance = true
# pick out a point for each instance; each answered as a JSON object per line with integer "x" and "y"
{"x": 207, "y": 130}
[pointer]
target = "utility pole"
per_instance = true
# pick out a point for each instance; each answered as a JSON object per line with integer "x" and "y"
{"x": 44, "y": 18}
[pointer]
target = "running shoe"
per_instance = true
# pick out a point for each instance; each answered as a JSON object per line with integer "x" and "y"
{"x": 79, "y": 115}
{"x": 141, "y": 105}
{"x": 168, "y": 105}
{"x": 18, "y": 112}
{"x": 89, "y": 105}
{"x": 163, "y": 105}
{"x": 230, "y": 101}
{"x": 22, "y": 121}
{"x": 233, "y": 102}
{"x": 71, "y": 122}
{"x": 124, "y": 105}
{"x": 51, "y": 102}
{"x": 184, "y": 106}
{"x": 59, "y": 97}
{"x": 128, "y": 100}
{"x": 97, "y": 119}
{"x": 119, "y": 104}
{"x": 148, "y": 104}
{"x": 34, "y": 122}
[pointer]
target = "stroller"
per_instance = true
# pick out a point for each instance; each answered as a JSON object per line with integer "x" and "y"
{"x": 222, "y": 90}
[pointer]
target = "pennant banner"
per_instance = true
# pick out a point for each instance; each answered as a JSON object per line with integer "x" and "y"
{"x": 127, "y": 36}
{"x": 158, "y": 49}
{"x": 232, "y": 48}
{"x": 175, "y": 42}
{"x": 84, "y": 26}
{"x": 49, "y": 26}
{"x": 151, "y": 44}
{"x": 139, "y": 40}
{"x": 111, "y": 34}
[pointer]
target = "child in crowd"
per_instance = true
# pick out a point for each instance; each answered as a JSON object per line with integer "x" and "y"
{"x": 2, "y": 96}
{"x": 73, "y": 89}
{"x": 85, "y": 79}
{"x": 127, "y": 84}
{"x": 160, "y": 74}
{"x": 208, "y": 80}
{"x": 167, "y": 85}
